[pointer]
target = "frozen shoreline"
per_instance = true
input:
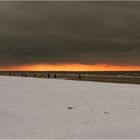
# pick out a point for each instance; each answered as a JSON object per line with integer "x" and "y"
{"x": 49, "y": 108}
{"x": 130, "y": 77}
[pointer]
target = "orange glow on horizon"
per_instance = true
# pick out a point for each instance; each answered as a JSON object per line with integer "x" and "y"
{"x": 70, "y": 67}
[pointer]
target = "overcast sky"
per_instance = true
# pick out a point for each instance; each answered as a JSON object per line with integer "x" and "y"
{"x": 69, "y": 32}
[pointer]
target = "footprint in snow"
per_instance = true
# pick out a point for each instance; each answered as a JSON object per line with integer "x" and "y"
{"x": 107, "y": 113}
{"x": 70, "y": 108}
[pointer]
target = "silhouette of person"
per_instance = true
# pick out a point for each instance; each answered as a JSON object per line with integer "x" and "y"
{"x": 79, "y": 77}
{"x": 48, "y": 75}
{"x": 55, "y": 76}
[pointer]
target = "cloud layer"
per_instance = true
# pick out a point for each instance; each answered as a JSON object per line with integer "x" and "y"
{"x": 69, "y": 32}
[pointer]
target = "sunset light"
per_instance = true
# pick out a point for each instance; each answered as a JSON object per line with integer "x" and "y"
{"x": 70, "y": 67}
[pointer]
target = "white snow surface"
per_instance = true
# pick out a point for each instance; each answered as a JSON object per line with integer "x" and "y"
{"x": 38, "y": 108}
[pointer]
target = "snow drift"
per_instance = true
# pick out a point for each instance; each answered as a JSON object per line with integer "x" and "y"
{"x": 48, "y": 108}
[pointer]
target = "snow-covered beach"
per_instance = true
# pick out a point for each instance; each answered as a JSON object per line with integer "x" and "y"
{"x": 52, "y": 108}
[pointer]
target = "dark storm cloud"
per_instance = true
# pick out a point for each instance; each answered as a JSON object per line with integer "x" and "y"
{"x": 69, "y": 32}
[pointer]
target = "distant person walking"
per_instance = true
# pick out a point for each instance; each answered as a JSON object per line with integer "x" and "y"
{"x": 55, "y": 76}
{"x": 79, "y": 77}
{"x": 48, "y": 75}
